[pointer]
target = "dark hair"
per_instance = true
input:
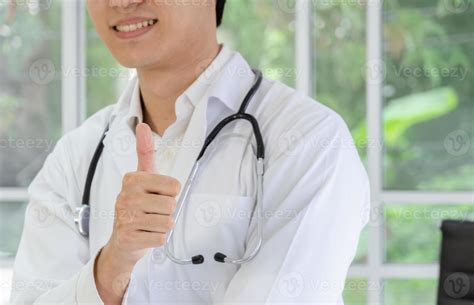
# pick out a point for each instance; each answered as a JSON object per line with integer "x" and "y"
{"x": 220, "y": 11}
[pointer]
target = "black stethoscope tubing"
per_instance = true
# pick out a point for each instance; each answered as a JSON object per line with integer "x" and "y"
{"x": 82, "y": 213}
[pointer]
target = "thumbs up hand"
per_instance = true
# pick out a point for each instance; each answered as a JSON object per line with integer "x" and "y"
{"x": 143, "y": 213}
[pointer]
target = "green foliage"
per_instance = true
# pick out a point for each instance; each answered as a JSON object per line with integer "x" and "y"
{"x": 410, "y": 292}
{"x": 407, "y": 111}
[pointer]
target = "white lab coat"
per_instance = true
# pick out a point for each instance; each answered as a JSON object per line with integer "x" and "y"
{"x": 316, "y": 199}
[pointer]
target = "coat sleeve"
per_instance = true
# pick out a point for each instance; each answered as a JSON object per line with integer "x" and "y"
{"x": 316, "y": 202}
{"x": 53, "y": 263}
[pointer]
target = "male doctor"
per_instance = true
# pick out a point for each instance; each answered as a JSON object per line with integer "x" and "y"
{"x": 315, "y": 197}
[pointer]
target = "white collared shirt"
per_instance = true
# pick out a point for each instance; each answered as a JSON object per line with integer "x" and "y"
{"x": 166, "y": 146}
{"x": 315, "y": 198}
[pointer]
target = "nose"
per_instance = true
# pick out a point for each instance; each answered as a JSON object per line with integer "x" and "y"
{"x": 125, "y": 5}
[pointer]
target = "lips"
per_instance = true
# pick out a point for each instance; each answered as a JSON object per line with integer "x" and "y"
{"x": 130, "y": 27}
{"x": 135, "y": 27}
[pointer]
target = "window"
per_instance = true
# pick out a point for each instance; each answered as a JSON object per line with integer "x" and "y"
{"x": 399, "y": 73}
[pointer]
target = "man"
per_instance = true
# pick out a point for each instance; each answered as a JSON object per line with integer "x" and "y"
{"x": 315, "y": 188}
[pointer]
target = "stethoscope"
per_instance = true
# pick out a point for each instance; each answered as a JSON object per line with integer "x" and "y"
{"x": 82, "y": 215}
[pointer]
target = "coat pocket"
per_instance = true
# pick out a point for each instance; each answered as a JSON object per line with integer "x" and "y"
{"x": 214, "y": 223}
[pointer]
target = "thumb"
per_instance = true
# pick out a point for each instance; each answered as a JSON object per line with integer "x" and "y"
{"x": 145, "y": 148}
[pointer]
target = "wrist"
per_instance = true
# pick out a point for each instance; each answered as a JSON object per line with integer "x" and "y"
{"x": 115, "y": 259}
{"x": 111, "y": 274}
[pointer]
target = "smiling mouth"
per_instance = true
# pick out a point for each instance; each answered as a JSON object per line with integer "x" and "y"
{"x": 127, "y": 28}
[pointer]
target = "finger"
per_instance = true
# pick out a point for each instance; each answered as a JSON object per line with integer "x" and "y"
{"x": 144, "y": 240}
{"x": 155, "y": 204}
{"x": 145, "y": 148}
{"x": 154, "y": 184}
{"x": 154, "y": 223}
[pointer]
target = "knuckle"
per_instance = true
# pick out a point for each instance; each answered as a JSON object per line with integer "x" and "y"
{"x": 126, "y": 178}
{"x": 124, "y": 199}
{"x": 161, "y": 239}
{"x": 175, "y": 186}
{"x": 131, "y": 179}
{"x": 170, "y": 206}
{"x": 169, "y": 223}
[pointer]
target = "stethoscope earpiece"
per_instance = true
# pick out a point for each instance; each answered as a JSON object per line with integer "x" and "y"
{"x": 198, "y": 259}
{"x": 220, "y": 257}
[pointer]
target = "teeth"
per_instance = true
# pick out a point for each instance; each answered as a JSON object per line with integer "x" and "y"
{"x": 133, "y": 27}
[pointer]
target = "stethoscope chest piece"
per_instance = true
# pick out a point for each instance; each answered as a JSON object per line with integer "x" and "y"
{"x": 81, "y": 218}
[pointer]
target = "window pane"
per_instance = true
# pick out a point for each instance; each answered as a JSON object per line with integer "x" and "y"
{"x": 30, "y": 88}
{"x": 428, "y": 108}
{"x": 412, "y": 231}
{"x": 355, "y": 292}
{"x": 11, "y": 226}
{"x": 410, "y": 292}
{"x": 263, "y": 32}
{"x": 339, "y": 62}
{"x": 105, "y": 78}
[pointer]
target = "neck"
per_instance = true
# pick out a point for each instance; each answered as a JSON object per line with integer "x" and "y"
{"x": 161, "y": 86}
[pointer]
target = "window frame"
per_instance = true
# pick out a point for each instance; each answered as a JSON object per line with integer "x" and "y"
{"x": 375, "y": 270}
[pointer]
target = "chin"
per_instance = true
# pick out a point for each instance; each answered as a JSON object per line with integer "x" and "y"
{"x": 137, "y": 60}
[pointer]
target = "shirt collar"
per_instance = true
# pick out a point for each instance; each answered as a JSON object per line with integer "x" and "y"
{"x": 227, "y": 80}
